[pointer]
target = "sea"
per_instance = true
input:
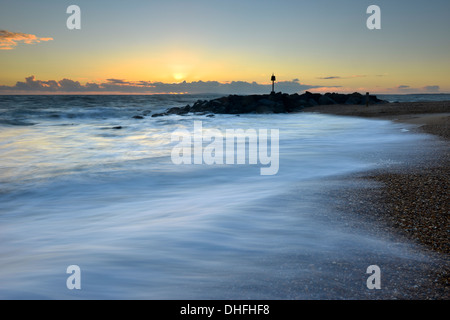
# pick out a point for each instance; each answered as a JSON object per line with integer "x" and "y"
{"x": 417, "y": 97}
{"x": 90, "y": 181}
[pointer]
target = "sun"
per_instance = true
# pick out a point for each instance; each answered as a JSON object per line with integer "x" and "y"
{"x": 179, "y": 76}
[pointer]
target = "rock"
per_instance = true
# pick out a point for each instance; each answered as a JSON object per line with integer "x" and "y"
{"x": 174, "y": 110}
{"x": 268, "y": 103}
{"x": 138, "y": 117}
{"x": 355, "y": 98}
{"x": 308, "y": 96}
{"x": 159, "y": 115}
{"x": 374, "y": 100}
{"x": 326, "y": 100}
{"x": 337, "y": 97}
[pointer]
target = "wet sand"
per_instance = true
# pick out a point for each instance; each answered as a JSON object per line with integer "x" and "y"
{"x": 412, "y": 201}
{"x": 430, "y": 117}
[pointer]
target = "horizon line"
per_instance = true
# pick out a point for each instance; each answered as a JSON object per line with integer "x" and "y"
{"x": 112, "y": 93}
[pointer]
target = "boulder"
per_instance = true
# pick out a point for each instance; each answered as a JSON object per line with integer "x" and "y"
{"x": 326, "y": 100}
{"x": 159, "y": 114}
{"x": 355, "y": 98}
{"x": 337, "y": 97}
{"x": 268, "y": 103}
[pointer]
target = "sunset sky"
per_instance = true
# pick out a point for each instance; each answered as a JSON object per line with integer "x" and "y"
{"x": 140, "y": 46}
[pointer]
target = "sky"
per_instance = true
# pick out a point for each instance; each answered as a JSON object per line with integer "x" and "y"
{"x": 232, "y": 46}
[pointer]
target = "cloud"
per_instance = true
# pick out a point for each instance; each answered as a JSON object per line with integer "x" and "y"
{"x": 9, "y": 40}
{"x": 431, "y": 89}
{"x": 330, "y": 78}
{"x": 426, "y": 89}
{"x": 408, "y": 89}
{"x": 339, "y": 77}
{"x": 68, "y": 85}
{"x": 32, "y": 85}
{"x": 117, "y": 81}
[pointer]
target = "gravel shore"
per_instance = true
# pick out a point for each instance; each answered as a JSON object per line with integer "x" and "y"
{"x": 413, "y": 200}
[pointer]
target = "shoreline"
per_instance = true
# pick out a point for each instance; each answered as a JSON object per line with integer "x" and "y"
{"x": 430, "y": 117}
{"x": 429, "y": 176}
{"x": 411, "y": 200}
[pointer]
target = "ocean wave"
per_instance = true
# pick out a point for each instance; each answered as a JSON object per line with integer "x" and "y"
{"x": 16, "y": 123}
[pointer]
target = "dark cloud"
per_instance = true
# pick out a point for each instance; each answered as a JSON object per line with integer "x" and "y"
{"x": 330, "y": 78}
{"x": 426, "y": 89}
{"x": 432, "y": 89}
{"x": 339, "y": 77}
{"x": 409, "y": 89}
{"x": 32, "y": 85}
{"x": 70, "y": 85}
{"x": 117, "y": 81}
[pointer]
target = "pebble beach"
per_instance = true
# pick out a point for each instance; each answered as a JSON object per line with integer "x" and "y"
{"x": 412, "y": 200}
